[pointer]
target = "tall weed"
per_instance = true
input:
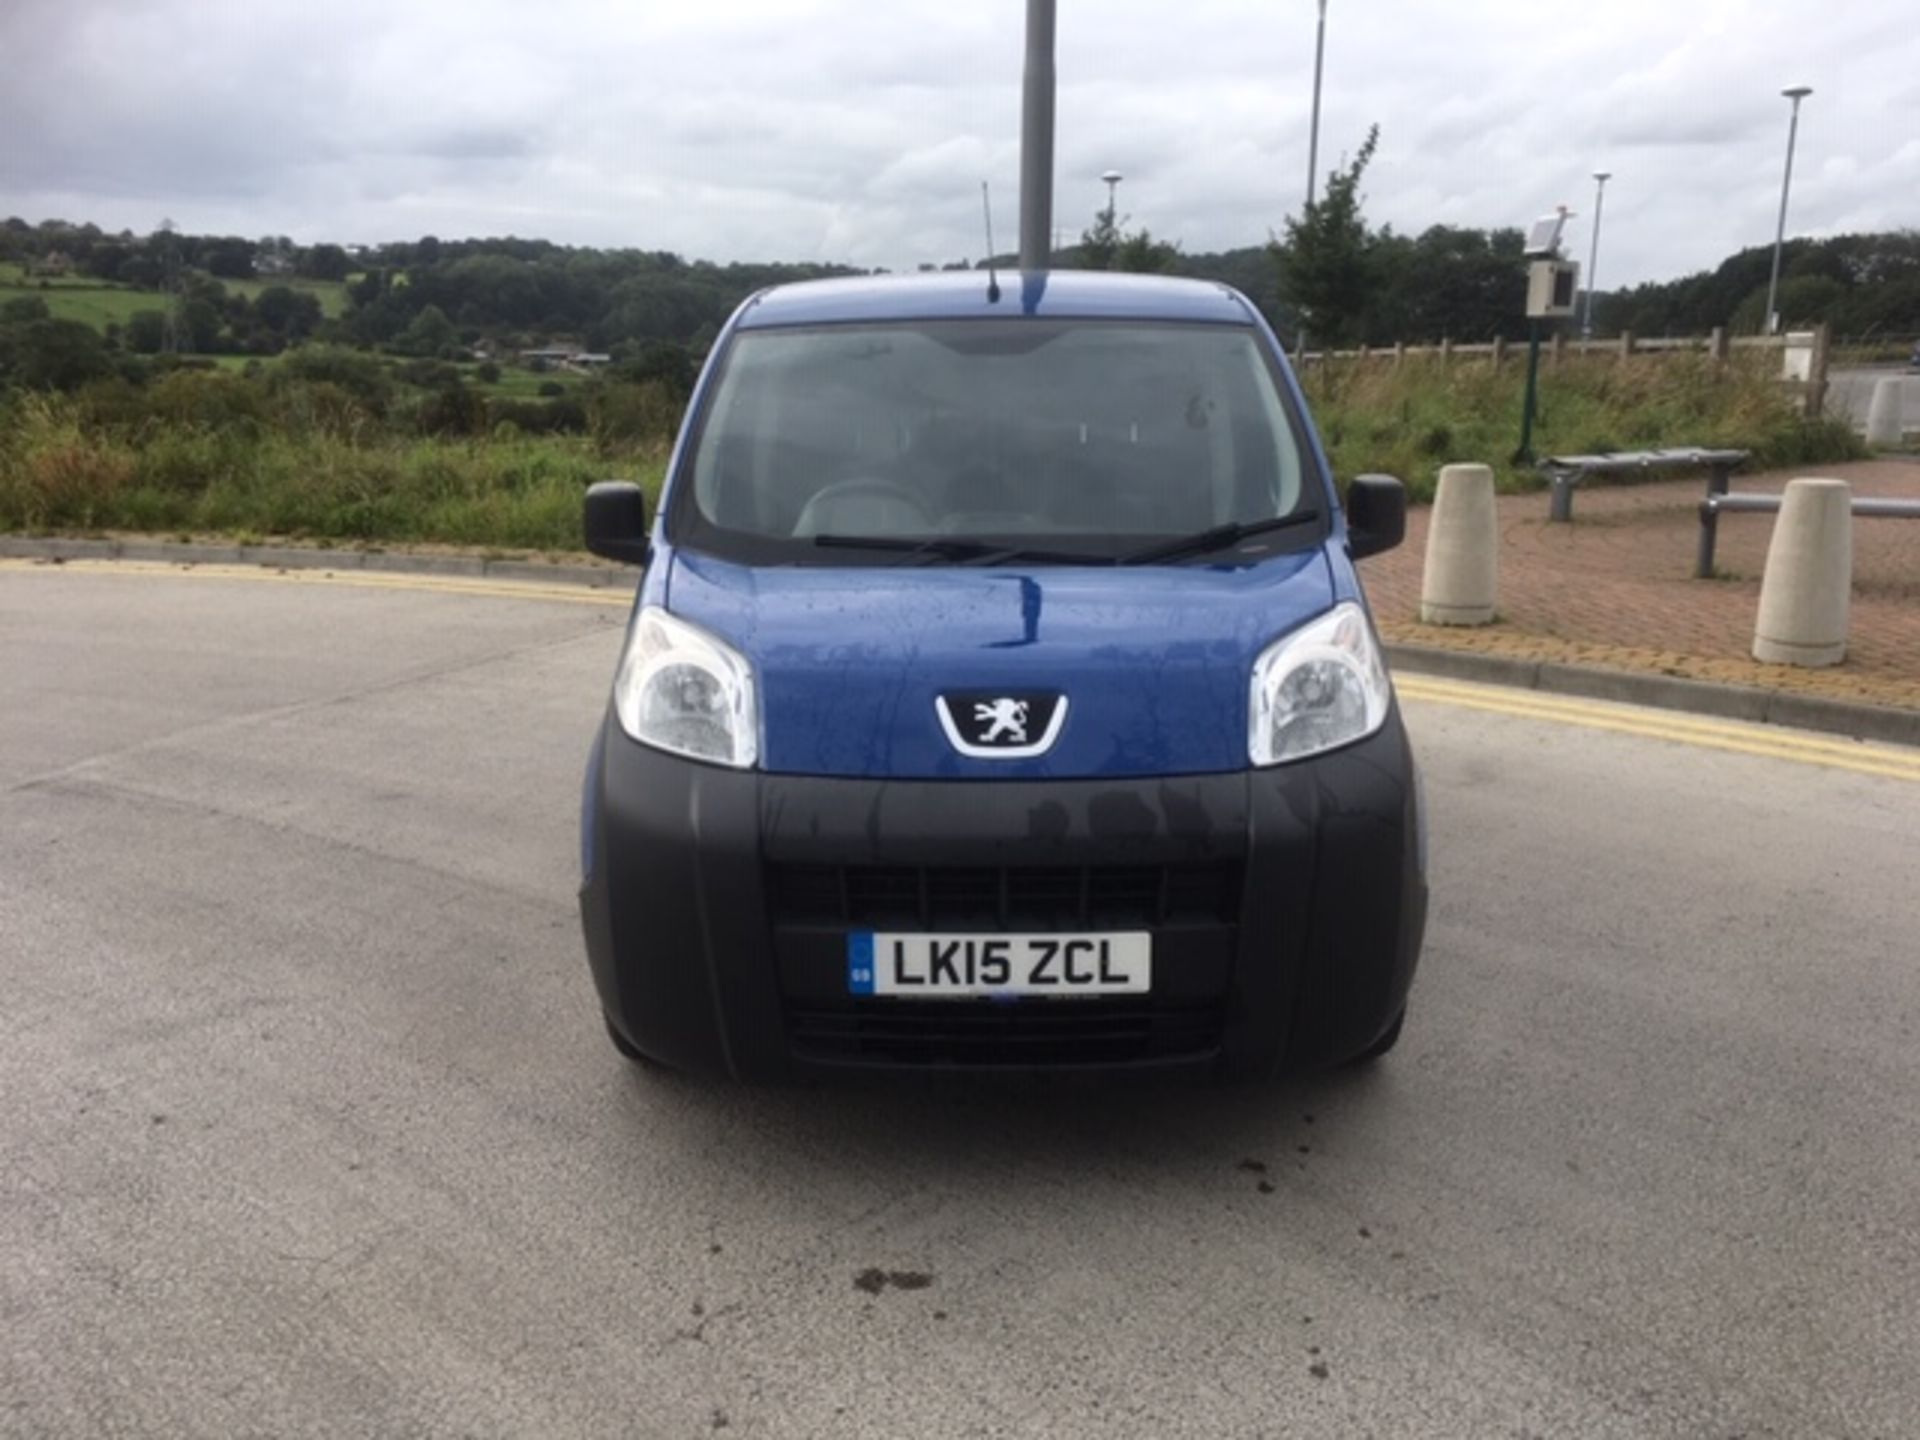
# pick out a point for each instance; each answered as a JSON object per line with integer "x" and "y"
{"x": 1409, "y": 419}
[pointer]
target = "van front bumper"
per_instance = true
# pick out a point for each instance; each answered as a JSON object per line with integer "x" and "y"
{"x": 1287, "y": 908}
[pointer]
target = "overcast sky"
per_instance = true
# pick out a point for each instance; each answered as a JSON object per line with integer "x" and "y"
{"x": 831, "y": 130}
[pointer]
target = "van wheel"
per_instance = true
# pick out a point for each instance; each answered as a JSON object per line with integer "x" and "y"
{"x": 1385, "y": 1043}
{"x": 638, "y": 1057}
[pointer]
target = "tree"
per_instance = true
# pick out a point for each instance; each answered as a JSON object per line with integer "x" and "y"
{"x": 360, "y": 375}
{"x": 142, "y": 271}
{"x": 429, "y": 333}
{"x": 1326, "y": 258}
{"x": 1804, "y": 300}
{"x": 1107, "y": 245}
{"x": 1100, "y": 244}
{"x": 370, "y": 288}
{"x": 22, "y": 308}
{"x": 1448, "y": 282}
{"x": 230, "y": 259}
{"x": 663, "y": 361}
{"x": 1144, "y": 255}
{"x": 323, "y": 262}
{"x": 52, "y": 355}
{"x": 108, "y": 259}
{"x": 147, "y": 332}
{"x": 291, "y": 314}
{"x": 200, "y": 319}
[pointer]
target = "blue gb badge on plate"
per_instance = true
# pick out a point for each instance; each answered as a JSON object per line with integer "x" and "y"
{"x": 860, "y": 963}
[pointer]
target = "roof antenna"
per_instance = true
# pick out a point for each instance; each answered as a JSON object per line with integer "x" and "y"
{"x": 993, "y": 278}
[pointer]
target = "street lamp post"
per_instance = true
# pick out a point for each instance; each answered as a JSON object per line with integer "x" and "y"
{"x": 1600, "y": 178}
{"x": 1313, "y": 134}
{"x": 1795, "y": 93}
{"x": 1112, "y": 237}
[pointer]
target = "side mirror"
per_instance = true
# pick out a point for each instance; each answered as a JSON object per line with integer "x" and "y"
{"x": 616, "y": 522}
{"x": 1376, "y": 514}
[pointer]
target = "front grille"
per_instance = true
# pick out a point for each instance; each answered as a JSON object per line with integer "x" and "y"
{"x": 931, "y": 897}
{"x": 1115, "y": 1031}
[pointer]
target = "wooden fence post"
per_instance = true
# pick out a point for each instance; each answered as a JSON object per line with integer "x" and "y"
{"x": 1717, "y": 346}
{"x": 1399, "y": 352}
{"x": 1817, "y": 369}
{"x": 1556, "y": 348}
{"x": 1446, "y": 351}
{"x": 1626, "y": 344}
{"x": 1499, "y": 350}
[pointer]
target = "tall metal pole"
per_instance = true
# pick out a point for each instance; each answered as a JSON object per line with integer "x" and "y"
{"x": 1796, "y": 94}
{"x": 1113, "y": 179}
{"x": 1036, "y": 139}
{"x": 1313, "y": 135}
{"x": 1524, "y": 455}
{"x": 1600, "y": 178}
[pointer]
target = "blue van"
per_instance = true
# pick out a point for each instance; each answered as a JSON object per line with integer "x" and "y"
{"x": 1000, "y": 692}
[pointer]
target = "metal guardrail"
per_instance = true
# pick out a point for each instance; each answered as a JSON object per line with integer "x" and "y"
{"x": 1564, "y": 472}
{"x": 1712, "y": 507}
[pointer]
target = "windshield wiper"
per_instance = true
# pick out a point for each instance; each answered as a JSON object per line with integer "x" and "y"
{"x": 1218, "y": 538}
{"x": 959, "y": 550}
{"x": 942, "y": 546}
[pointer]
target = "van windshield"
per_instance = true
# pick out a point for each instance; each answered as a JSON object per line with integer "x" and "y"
{"x": 982, "y": 440}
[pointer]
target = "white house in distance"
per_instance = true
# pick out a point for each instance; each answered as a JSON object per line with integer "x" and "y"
{"x": 565, "y": 357}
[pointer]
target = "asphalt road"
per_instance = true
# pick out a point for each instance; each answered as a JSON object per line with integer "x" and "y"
{"x": 1850, "y": 393}
{"x": 309, "y": 1126}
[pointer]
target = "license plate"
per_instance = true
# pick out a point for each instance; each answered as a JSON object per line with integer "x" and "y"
{"x": 959, "y": 966}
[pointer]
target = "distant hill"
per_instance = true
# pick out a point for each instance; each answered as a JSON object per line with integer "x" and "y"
{"x": 1860, "y": 285}
{"x": 435, "y": 296}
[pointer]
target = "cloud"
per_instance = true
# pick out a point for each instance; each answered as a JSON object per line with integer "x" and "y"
{"x": 844, "y": 131}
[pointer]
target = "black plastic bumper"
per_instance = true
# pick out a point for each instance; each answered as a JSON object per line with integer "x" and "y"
{"x": 1287, "y": 907}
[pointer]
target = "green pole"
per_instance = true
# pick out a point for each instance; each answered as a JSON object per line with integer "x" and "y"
{"x": 1524, "y": 455}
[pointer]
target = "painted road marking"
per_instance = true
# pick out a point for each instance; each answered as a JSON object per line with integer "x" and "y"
{"x": 1770, "y": 742}
{"x": 1766, "y": 741}
{"x": 565, "y": 594}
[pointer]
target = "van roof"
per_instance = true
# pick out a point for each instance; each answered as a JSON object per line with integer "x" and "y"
{"x": 962, "y": 294}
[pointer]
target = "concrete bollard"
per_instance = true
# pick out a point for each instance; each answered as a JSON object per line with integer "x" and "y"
{"x": 1883, "y": 414}
{"x": 1462, "y": 574}
{"x": 1809, "y": 578}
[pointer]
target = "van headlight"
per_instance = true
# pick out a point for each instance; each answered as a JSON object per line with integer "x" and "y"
{"x": 683, "y": 690}
{"x": 1320, "y": 687}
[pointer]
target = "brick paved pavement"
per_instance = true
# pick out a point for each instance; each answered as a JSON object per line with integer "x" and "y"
{"x": 1615, "y": 588}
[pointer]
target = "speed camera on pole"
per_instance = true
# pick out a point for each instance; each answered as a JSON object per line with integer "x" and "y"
{"x": 1551, "y": 283}
{"x": 1551, "y": 280}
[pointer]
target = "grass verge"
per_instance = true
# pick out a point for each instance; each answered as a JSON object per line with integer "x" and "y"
{"x": 1410, "y": 419}
{"x": 58, "y": 473}
{"x": 323, "y": 446}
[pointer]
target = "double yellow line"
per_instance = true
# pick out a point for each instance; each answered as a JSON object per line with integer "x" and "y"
{"x": 1771, "y": 742}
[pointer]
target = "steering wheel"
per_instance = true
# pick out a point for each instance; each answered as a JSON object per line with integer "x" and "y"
{"x": 863, "y": 487}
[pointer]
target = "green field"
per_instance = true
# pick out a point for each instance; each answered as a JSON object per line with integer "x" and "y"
{"x": 14, "y": 275}
{"x": 99, "y": 304}
{"x": 91, "y": 302}
{"x": 518, "y": 383}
